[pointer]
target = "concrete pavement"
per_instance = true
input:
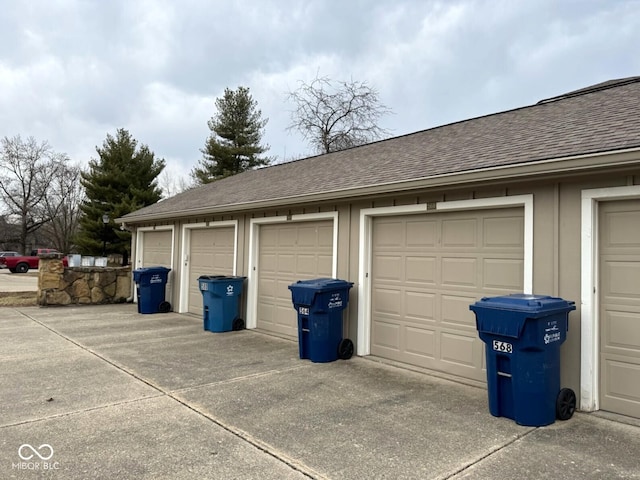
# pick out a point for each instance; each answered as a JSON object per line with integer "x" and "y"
{"x": 104, "y": 392}
{"x": 18, "y": 282}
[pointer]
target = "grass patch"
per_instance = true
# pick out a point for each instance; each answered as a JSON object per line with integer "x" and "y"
{"x": 18, "y": 299}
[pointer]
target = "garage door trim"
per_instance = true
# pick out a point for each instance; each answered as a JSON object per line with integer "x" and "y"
{"x": 140, "y": 241}
{"x": 363, "y": 346}
{"x": 254, "y": 243}
{"x": 186, "y": 248}
{"x": 589, "y": 316}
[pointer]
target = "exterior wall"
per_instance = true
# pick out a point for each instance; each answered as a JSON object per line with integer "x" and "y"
{"x": 556, "y": 240}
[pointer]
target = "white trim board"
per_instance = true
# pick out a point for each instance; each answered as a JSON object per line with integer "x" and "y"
{"x": 183, "y": 304}
{"x": 363, "y": 344}
{"x": 589, "y": 321}
{"x": 140, "y": 252}
{"x": 254, "y": 244}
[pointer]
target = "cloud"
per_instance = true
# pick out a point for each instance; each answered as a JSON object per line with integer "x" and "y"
{"x": 72, "y": 71}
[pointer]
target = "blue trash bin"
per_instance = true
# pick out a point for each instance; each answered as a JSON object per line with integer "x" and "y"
{"x": 523, "y": 334}
{"x": 221, "y": 298}
{"x": 151, "y": 283}
{"x": 319, "y": 304}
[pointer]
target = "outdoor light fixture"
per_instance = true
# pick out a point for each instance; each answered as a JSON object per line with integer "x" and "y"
{"x": 105, "y": 221}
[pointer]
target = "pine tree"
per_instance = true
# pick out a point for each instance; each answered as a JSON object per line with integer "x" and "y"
{"x": 234, "y": 144}
{"x": 121, "y": 180}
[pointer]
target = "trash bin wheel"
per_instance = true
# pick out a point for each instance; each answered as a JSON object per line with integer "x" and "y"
{"x": 565, "y": 404}
{"x": 345, "y": 349}
{"x": 164, "y": 307}
{"x": 238, "y": 324}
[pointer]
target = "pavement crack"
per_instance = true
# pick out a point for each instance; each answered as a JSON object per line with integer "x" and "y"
{"x": 486, "y": 455}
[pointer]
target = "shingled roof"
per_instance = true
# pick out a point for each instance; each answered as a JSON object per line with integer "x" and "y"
{"x": 601, "y": 118}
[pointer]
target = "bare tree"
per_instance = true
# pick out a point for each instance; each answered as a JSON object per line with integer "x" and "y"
{"x": 62, "y": 205}
{"x": 26, "y": 172}
{"x": 172, "y": 185}
{"x": 337, "y": 115}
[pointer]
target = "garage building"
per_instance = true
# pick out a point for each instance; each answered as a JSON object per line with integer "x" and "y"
{"x": 542, "y": 199}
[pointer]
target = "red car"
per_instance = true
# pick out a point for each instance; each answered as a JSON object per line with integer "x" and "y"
{"x": 22, "y": 263}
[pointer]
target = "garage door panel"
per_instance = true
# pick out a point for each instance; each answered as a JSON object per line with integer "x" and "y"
{"x": 503, "y": 273}
{"x": 460, "y": 272}
{"x": 622, "y": 230}
{"x": 426, "y": 271}
{"x": 421, "y": 270}
{"x": 387, "y": 335}
{"x": 420, "y": 341}
{"x": 455, "y": 311}
{"x": 621, "y": 332}
{"x": 458, "y": 349}
{"x": 503, "y": 232}
{"x": 421, "y": 234}
{"x": 211, "y": 252}
{"x": 619, "y": 315}
{"x": 391, "y": 265}
{"x": 388, "y": 301}
{"x": 288, "y": 253}
{"x": 420, "y": 306}
{"x": 459, "y": 233}
{"x": 623, "y": 279}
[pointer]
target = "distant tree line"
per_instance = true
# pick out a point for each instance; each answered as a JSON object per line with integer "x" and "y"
{"x": 48, "y": 201}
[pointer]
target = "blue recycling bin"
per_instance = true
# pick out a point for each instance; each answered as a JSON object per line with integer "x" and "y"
{"x": 151, "y": 283}
{"x": 319, "y": 304}
{"x": 523, "y": 334}
{"x": 220, "y": 302}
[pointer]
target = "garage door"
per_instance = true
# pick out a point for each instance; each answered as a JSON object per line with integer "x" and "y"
{"x": 287, "y": 253}
{"x": 210, "y": 253}
{"x": 426, "y": 271}
{"x": 619, "y": 247}
{"x": 156, "y": 252}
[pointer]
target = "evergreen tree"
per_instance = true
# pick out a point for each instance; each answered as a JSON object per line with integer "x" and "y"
{"x": 121, "y": 180}
{"x": 234, "y": 144}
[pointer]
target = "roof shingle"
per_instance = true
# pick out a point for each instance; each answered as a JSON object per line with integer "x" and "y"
{"x": 601, "y": 118}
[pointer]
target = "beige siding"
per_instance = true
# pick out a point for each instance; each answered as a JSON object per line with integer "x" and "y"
{"x": 210, "y": 253}
{"x": 287, "y": 253}
{"x": 427, "y": 270}
{"x": 619, "y": 248}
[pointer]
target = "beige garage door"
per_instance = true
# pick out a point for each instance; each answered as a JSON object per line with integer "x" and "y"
{"x": 288, "y": 253}
{"x": 210, "y": 253}
{"x": 619, "y": 247}
{"x": 156, "y": 252}
{"x": 426, "y": 271}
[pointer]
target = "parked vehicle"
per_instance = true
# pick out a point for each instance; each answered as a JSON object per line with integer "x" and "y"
{"x": 7, "y": 254}
{"x": 22, "y": 263}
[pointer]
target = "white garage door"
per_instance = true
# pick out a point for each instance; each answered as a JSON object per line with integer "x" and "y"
{"x": 288, "y": 253}
{"x": 426, "y": 271}
{"x": 210, "y": 253}
{"x": 619, "y": 247}
{"x": 156, "y": 252}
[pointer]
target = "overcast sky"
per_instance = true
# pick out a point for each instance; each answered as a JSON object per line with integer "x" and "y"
{"x": 72, "y": 71}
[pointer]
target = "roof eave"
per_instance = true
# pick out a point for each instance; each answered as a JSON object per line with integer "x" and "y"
{"x": 570, "y": 164}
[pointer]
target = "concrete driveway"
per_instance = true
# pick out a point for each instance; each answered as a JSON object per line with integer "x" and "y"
{"x": 18, "y": 282}
{"x": 104, "y": 392}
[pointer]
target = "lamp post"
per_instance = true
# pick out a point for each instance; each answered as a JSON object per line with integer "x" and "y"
{"x": 105, "y": 222}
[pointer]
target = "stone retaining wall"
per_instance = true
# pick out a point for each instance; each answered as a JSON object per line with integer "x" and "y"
{"x": 59, "y": 285}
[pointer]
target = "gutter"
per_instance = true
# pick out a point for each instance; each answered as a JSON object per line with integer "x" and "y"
{"x": 573, "y": 164}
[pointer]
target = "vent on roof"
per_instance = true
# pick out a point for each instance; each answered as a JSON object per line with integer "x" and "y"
{"x": 593, "y": 88}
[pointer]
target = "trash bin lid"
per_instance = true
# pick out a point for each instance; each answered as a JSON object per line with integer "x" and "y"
{"x": 151, "y": 270}
{"x": 320, "y": 285}
{"x": 211, "y": 277}
{"x": 521, "y": 302}
{"x": 508, "y": 314}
